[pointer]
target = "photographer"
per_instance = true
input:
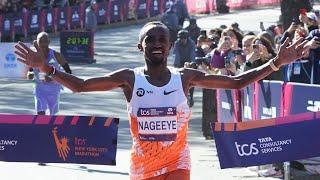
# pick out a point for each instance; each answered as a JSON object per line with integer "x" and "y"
{"x": 222, "y": 57}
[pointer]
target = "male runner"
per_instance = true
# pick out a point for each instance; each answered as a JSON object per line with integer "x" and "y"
{"x": 157, "y": 102}
{"x": 47, "y": 91}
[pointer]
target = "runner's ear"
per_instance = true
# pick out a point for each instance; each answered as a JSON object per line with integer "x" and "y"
{"x": 36, "y": 45}
{"x": 140, "y": 47}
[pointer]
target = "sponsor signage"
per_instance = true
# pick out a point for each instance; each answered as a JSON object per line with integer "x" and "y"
{"x": 102, "y": 13}
{"x": 247, "y": 103}
{"x": 227, "y": 105}
{"x": 155, "y": 7}
{"x": 58, "y": 139}
{"x": 34, "y": 22}
{"x": 301, "y": 98}
{"x": 269, "y": 141}
{"x": 142, "y": 8}
{"x": 268, "y": 99}
{"x": 10, "y": 67}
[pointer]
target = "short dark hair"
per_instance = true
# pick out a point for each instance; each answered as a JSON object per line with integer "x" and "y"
{"x": 152, "y": 23}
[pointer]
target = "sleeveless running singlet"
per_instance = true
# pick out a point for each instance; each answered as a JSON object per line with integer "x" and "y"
{"x": 159, "y": 122}
{"x": 42, "y": 87}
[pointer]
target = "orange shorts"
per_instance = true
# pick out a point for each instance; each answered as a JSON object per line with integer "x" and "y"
{"x": 180, "y": 174}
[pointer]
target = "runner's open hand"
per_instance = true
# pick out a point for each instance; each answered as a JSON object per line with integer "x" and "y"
{"x": 29, "y": 57}
{"x": 288, "y": 54}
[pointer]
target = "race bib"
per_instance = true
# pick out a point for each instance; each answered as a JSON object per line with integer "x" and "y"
{"x": 157, "y": 124}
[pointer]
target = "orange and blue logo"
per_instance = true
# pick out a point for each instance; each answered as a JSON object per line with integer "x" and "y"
{"x": 61, "y": 144}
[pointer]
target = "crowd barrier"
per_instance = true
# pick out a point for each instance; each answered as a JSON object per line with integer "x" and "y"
{"x": 9, "y": 66}
{"x": 266, "y": 100}
{"x": 73, "y": 17}
{"x": 270, "y": 122}
{"x": 58, "y": 139}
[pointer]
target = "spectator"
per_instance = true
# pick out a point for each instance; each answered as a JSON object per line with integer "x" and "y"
{"x": 170, "y": 19}
{"x": 184, "y": 51}
{"x": 222, "y": 58}
{"x": 59, "y": 3}
{"x": 193, "y": 29}
{"x": 310, "y": 20}
{"x": 182, "y": 11}
{"x": 91, "y": 18}
{"x": 236, "y": 37}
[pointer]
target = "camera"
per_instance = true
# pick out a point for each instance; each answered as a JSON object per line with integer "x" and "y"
{"x": 238, "y": 52}
{"x": 200, "y": 60}
{"x": 227, "y": 61}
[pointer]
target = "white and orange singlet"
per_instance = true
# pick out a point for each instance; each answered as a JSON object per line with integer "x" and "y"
{"x": 159, "y": 123}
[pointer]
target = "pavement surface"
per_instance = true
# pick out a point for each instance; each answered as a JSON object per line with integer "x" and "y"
{"x": 116, "y": 48}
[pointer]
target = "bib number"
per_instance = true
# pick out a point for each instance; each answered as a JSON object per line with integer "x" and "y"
{"x": 157, "y": 124}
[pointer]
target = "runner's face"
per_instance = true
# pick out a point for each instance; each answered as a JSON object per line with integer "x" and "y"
{"x": 155, "y": 45}
{"x": 43, "y": 43}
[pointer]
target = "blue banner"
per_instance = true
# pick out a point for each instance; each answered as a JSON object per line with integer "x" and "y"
{"x": 142, "y": 9}
{"x": 247, "y": 103}
{"x": 49, "y": 22}
{"x": 58, "y": 139}
{"x": 115, "y": 10}
{"x": 155, "y": 7}
{"x": 75, "y": 18}
{"x": 62, "y": 18}
{"x": 18, "y": 21}
{"x": 34, "y": 22}
{"x": 301, "y": 98}
{"x": 102, "y": 13}
{"x": 267, "y": 141}
{"x": 7, "y": 25}
{"x": 269, "y": 99}
{"x": 228, "y": 105}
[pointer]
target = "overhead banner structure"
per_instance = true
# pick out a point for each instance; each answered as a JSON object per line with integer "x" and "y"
{"x": 10, "y": 67}
{"x": 269, "y": 141}
{"x": 58, "y": 139}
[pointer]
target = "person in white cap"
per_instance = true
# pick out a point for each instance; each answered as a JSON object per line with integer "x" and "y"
{"x": 310, "y": 20}
{"x": 91, "y": 18}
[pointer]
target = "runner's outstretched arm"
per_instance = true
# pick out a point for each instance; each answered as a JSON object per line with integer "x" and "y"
{"x": 286, "y": 55}
{"x": 36, "y": 59}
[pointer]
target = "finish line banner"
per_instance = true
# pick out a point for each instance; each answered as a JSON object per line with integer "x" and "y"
{"x": 58, "y": 139}
{"x": 269, "y": 141}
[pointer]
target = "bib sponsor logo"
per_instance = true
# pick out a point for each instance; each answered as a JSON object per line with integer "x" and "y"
{"x": 140, "y": 92}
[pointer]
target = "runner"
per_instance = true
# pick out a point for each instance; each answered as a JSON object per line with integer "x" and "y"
{"x": 156, "y": 96}
{"x": 47, "y": 91}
